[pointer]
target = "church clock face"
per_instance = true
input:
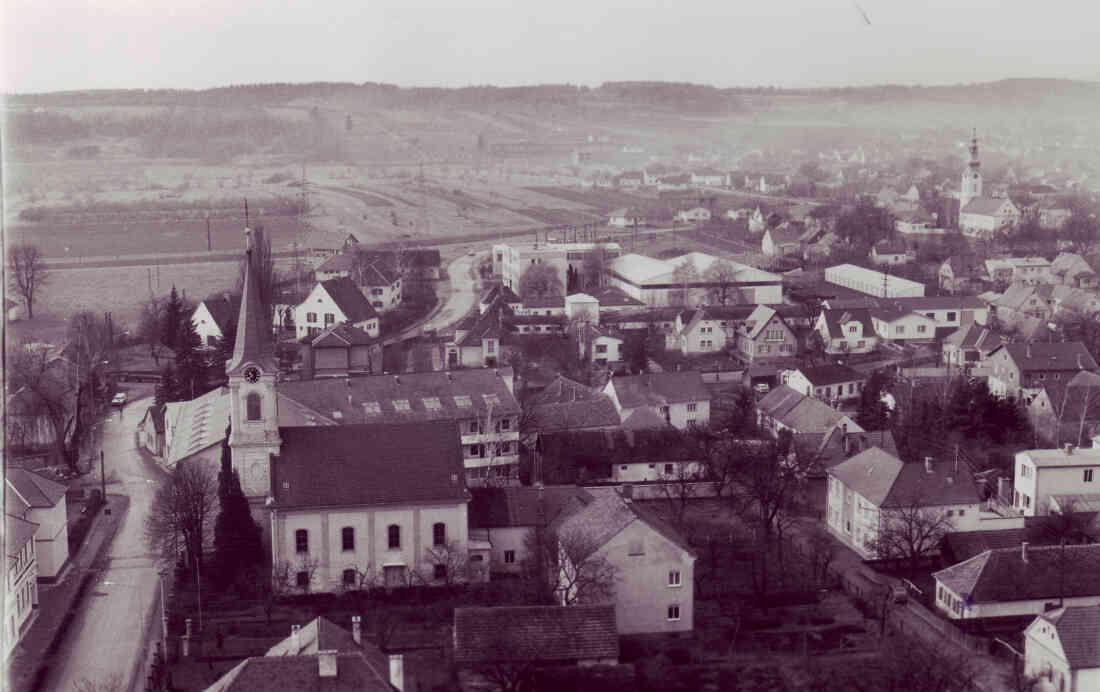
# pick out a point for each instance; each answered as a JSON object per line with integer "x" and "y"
{"x": 252, "y": 375}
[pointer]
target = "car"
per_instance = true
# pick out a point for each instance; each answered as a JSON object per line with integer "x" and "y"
{"x": 119, "y": 399}
{"x": 471, "y": 253}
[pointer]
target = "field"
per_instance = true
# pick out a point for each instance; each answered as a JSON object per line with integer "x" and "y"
{"x": 603, "y": 200}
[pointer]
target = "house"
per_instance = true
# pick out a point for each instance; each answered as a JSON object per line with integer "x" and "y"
{"x": 969, "y": 345}
{"x": 708, "y": 177}
{"x": 40, "y": 501}
{"x": 872, "y": 282}
{"x": 1024, "y": 300}
{"x": 765, "y": 335}
{"x": 1016, "y": 366}
{"x": 1079, "y": 301}
{"x": 627, "y": 217}
{"x": 1027, "y": 580}
{"x": 847, "y": 331}
{"x": 693, "y": 215}
{"x": 684, "y": 280}
{"x": 830, "y": 383}
{"x": 319, "y": 655}
{"x": 150, "y": 430}
{"x": 510, "y": 261}
{"x": 1067, "y": 411}
{"x": 194, "y": 430}
{"x": 482, "y": 340}
{"x": 679, "y": 398}
{"x": 339, "y": 351}
{"x": 565, "y": 404}
{"x": 630, "y": 180}
{"x": 985, "y": 216}
{"x": 886, "y": 196}
{"x": 480, "y": 401}
{"x": 961, "y": 274}
{"x": 405, "y": 525}
{"x": 1071, "y": 269}
{"x": 600, "y": 345}
{"x": 1061, "y": 646}
{"x": 380, "y": 283}
{"x": 890, "y": 252}
{"x": 1042, "y": 473}
{"x": 870, "y": 495}
{"x": 839, "y": 443}
{"x": 546, "y": 306}
{"x": 901, "y": 325}
{"x": 783, "y": 408}
{"x": 704, "y": 329}
{"x": 529, "y": 637}
{"x": 332, "y": 302}
{"x": 507, "y": 517}
{"x": 757, "y": 222}
{"x": 214, "y": 317}
{"x": 21, "y": 580}
{"x": 677, "y": 182}
{"x": 654, "y": 171}
{"x": 320, "y": 244}
{"x": 769, "y": 183}
{"x": 781, "y": 242}
{"x": 1026, "y": 270}
{"x": 338, "y": 266}
{"x": 653, "y": 565}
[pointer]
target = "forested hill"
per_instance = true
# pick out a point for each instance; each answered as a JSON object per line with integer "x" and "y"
{"x": 659, "y": 95}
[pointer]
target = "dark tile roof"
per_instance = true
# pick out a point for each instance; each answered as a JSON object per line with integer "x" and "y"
{"x": 831, "y": 373}
{"x": 320, "y": 634}
{"x": 493, "y": 324}
{"x": 492, "y": 507}
{"x": 349, "y": 299}
{"x": 460, "y": 395}
{"x": 660, "y": 389}
{"x": 36, "y": 490}
{"x": 562, "y": 390}
{"x": 966, "y": 544}
{"x": 341, "y": 336}
{"x": 943, "y": 486}
{"x": 17, "y": 532}
{"x": 364, "y": 464}
{"x": 835, "y": 318}
{"x": 343, "y": 262}
{"x": 1078, "y": 630}
{"x": 504, "y": 293}
{"x": 801, "y": 413}
{"x": 603, "y": 515}
{"x": 354, "y": 673}
{"x": 542, "y": 634}
{"x": 654, "y": 315}
{"x": 1002, "y": 574}
{"x": 615, "y": 297}
{"x": 597, "y": 412}
{"x": 544, "y": 302}
{"x": 983, "y": 205}
{"x": 556, "y": 320}
{"x": 871, "y": 473}
{"x": 890, "y": 246}
{"x": 1069, "y": 355}
{"x": 224, "y": 308}
{"x": 1077, "y": 399}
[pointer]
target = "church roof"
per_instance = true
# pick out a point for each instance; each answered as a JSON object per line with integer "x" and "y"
{"x": 986, "y": 206}
{"x": 253, "y": 343}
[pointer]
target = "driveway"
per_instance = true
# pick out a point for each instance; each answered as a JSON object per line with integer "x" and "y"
{"x": 109, "y": 635}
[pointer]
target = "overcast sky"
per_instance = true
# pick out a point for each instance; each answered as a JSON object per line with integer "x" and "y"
{"x": 71, "y": 44}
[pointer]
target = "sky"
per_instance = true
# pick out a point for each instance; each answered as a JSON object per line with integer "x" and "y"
{"x": 51, "y": 45}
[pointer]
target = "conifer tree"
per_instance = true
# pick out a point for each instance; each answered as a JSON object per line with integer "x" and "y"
{"x": 238, "y": 545}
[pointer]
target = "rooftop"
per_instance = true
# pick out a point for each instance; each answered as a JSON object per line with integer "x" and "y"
{"x": 1019, "y": 574}
{"x": 801, "y": 413}
{"x": 546, "y": 634}
{"x": 197, "y": 424}
{"x": 831, "y": 373}
{"x": 349, "y": 299}
{"x": 35, "y": 490}
{"x": 659, "y": 389}
{"x": 1078, "y": 629}
{"x": 495, "y": 507}
{"x": 1053, "y": 458}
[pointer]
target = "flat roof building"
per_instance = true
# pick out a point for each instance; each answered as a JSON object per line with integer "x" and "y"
{"x": 872, "y": 282}
{"x": 658, "y": 282}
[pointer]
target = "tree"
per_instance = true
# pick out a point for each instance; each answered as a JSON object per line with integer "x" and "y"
{"x": 813, "y": 347}
{"x": 1082, "y": 227}
{"x": 873, "y": 412}
{"x": 41, "y": 380}
{"x": 452, "y": 557}
{"x": 151, "y": 326}
{"x": 679, "y": 486}
{"x": 190, "y": 363}
{"x": 595, "y": 263}
{"x": 540, "y": 281}
{"x": 723, "y": 276}
{"x": 90, "y": 349}
{"x": 27, "y": 274}
{"x": 683, "y": 275}
{"x": 175, "y": 314}
{"x": 182, "y": 512}
{"x": 238, "y": 543}
{"x": 565, "y": 568}
{"x": 911, "y": 531}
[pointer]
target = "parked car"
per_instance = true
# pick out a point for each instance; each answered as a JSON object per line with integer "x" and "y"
{"x": 119, "y": 399}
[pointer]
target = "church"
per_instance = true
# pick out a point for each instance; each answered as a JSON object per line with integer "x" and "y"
{"x": 981, "y": 216}
{"x": 341, "y": 506}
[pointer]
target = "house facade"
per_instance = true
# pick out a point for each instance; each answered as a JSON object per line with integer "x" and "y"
{"x": 765, "y": 335}
{"x": 20, "y": 579}
{"x": 1060, "y": 647}
{"x": 678, "y": 397}
{"x": 333, "y": 302}
{"x": 894, "y": 325}
{"x": 1042, "y": 473}
{"x": 847, "y": 331}
{"x": 783, "y": 408}
{"x": 1016, "y": 367}
{"x": 213, "y": 316}
{"x": 39, "y": 500}
{"x": 830, "y": 383}
{"x": 693, "y": 215}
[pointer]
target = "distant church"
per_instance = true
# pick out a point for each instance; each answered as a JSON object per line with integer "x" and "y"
{"x": 981, "y": 216}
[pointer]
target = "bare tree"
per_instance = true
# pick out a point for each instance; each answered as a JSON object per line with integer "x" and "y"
{"x": 723, "y": 277}
{"x": 150, "y": 326}
{"x": 595, "y": 264}
{"x": 911, "y": 531}
{"x": 583, "y": 575}
{"x": 683, "y": 275}
{"x": 452, "y": 557}
{"x": 679, "y": 486}
{"x": 540, "y": 281}
{"x": 39, "y": 380}
{"x": 27, "y": 274}
{"x": 181, "y": 518}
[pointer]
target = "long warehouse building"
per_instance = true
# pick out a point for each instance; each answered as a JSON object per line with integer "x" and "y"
{"x": 873, "y": 283}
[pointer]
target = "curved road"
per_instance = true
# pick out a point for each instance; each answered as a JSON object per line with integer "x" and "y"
{"x": 108, "y": 636}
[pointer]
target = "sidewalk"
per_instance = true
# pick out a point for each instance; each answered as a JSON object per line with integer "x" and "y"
{"x": 58, "y": 603}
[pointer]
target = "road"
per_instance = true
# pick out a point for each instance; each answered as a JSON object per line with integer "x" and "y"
{"x": 464, "y": 292}
{"x": 108, "y": 636}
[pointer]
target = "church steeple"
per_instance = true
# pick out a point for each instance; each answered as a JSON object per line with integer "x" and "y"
{"x": 972, "y": 177}
{"x": 253, "y": 344}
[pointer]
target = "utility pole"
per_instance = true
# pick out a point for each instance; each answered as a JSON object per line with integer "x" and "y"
{"x": 208, "y": 245}
{"x": 103, "y": 480}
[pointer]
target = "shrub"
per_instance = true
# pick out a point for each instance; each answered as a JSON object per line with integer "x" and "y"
{"x": 679, "y": 657}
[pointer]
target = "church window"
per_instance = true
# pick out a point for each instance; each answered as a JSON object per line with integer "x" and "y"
{"x": 252, "y": 406}
{"x": 394, "y": 536}
{"x": 439, "y": 534}
{"x": 302, "y": 579}
{"x": 301, "y": 541}
{"x": 347, "y": 538}
{"x": 439, "y": 571}
{"x": 349, "y": 577}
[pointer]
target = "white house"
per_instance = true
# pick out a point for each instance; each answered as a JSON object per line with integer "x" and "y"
{"x": 1023, "y": 580}
{"x": 708, "y": 177}
{"x": 757, "y": 223}
{"x": 677, "y": 397}
{"x": 891, "y": 252}
{"x": 847, "y": 331}
{"x": 984, "y": 216}
{"x": 1041, "y": 473}
{"x": 870, "y": 494}
{"x": 599, "y": 345}
{"x": 783, "y": 408}
{"x": 829, "y": 382}
{"x": 897, "y": 325}
{"x": 332, "y": 302}
{"x": 380, "y": 283}
{"x": 627, "y": 217}
{"x": 693, "y": 215}
{"x": 1060, "y": 645}
{"x": 41, "y": 501}
{"x": 20, "y": 579}
{"x": 213, "y": 317}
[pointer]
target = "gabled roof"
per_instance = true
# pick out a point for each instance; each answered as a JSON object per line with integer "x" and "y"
{"x": 319, "y": 634}
{"x": 1056, "y": 458}
{"x": 155, "y": 414}
{"x": 37, "y": 491}
{"x": 417, "y": 396}
{"x": 540, "y": 302}
{"x": 600, "y": 517}
{"x": 197, "y": 424}
{"x": 489, "y": 325}
{"x": 597, "y": 412}
{"x": 1078, "y": 629}
{"x": 759, "y": 319}
{"x": 784, "y": 235}
{"x": 831, "y": 373}
{"x": 659, "y": 389}
{"x": 944, "y": 485}
{"x": 542, "y": 634}
{"x": 835, "y": 319}
{"x": 509, "y": 506}
{"x": 890, "y": 246}
{"x": 870, "y": 473}
{"x": 343, "y": 262}
{"x": 17, "y": 533}
{"x": 507, "y": 295}
{"x": 613, "y": 296}
{"x": 1069, "y": 355}
{"x": 1016, "y": 295}
{"x": 354, "y": 673}
{"x": 224, "y": 308}
{"x": 1005, "y": 575}
{"x": 643, "y": 418}
{"x": 965, "y": 266}
{"x": 349, "y": 299}
{"x": 801, "y": 413}
{"x": 1076, "y": 400}
{"x": 369, "y": 464}
{"x": 986, "y": 206}
{"x": 341, "y": 336}
{"x": 561, "y": 390}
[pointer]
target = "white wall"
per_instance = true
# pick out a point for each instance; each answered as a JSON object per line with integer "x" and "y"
{"x": 1043, "y": 653}
{"x": 644, "y": 471}
{"x": 52, "y": 538}
{"x": 205, "y": 326}
{"x": 1039, "y": 484}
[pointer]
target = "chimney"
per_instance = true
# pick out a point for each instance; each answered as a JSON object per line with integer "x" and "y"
{"x": 397, "y": 671}
{"x": 928, "y": 464}
{"x": 326, "y": 663}
{"x": 1023, "y": 551}
{"x": 847, "y": 442}
{"x": 357, "y": 629}
{"x": 294, "y": 640}
{"x": 628, "y": 492}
